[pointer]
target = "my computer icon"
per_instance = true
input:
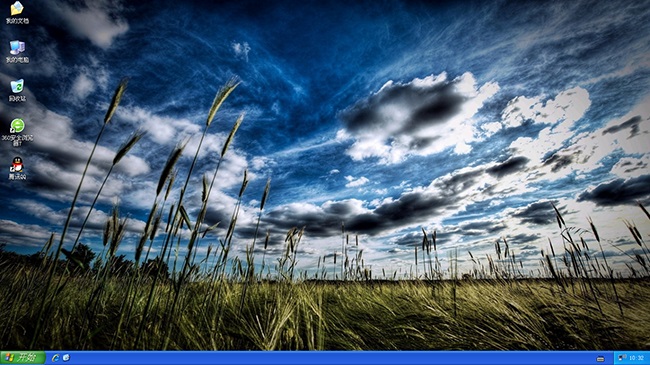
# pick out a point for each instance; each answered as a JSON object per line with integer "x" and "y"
{"x": 17, "y": 47}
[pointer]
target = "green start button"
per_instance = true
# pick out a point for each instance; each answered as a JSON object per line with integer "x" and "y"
{"x": 22, "y": 357}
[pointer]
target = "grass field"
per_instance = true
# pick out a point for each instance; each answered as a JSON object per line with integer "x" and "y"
{"x": 380, "y": 315}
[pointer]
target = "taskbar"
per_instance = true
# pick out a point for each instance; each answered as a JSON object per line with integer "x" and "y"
{"x": 326, "y": 357}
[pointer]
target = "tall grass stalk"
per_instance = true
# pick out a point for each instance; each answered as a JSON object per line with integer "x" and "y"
{"x": 219, "y": 99}
{"x": 115, "y": 101}
{"x": 251, "y": 263}
{"x": 124, "y": 149}
{"x": 610, "y": 271}
{"x": 165, "y": 176}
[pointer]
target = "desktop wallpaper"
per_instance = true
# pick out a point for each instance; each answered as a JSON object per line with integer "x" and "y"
{"x": 325, "y": 175}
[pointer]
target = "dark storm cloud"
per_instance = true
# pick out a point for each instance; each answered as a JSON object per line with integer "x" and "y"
{"x": 458, "y": 182}
{"x": 417, "y": 118}
{"x": 214, "y": 215}
{"x": 510, "y": 166}
{"x": 632, "y": 124}
{"x": 413, "y": 207}
{"x": 22, "y": 235}
{"x": 629, "y": 166}
{"x": 558, "y": 161}
{"x": 43, "y": 181}
{"x": 523, "y": 238}
{"x": 324, "y": 221}
{"x": 540, "y": 213}
{"x": 425, "y": 106}
{"x": 481, "y": 228}
{"x": 527, "y": 251}
{"x": 409, "y": 206}
{"x": 414, "y": 239}
{"x": 619, "y": 191}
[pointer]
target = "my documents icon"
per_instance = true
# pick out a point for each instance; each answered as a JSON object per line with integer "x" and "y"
{"x": 16, "y": 8}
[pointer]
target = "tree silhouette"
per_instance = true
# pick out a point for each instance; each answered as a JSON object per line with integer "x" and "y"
{"x": 80, "y": 258}
{"x": 151, "y": 267}
{"x": 120, "y": 266}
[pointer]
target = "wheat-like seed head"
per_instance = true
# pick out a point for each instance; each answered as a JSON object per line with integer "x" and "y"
{"x": 232, "y": 134}
{"x": 124, "y": 149}
{"x": 244, "y": 183}
{"x": 117, "y": 237}
{"x": 593, "y": 229}
{"x": 170, "y": 184}
{"x": 108, "y": 230}
{"x": 169, "y": 217}
{"x": 265, "y": 195}
{"x": 116, "y": 100}
{"x": 156, "y": 224}
{"x": 221, "y": 96}
{"x": 212, "y": 227}
{"x": 146, "y": 232}
{"x": 169, "y": 166}
{"x": 204, "y": 191}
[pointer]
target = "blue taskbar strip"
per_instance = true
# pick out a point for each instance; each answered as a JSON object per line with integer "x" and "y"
{"x": 326, "y": 357}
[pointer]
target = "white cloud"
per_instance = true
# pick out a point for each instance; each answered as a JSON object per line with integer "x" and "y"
{"x": 23, "y": 235}
{"x": 354, "y": 182}
{"x": 241, "y": 49}
{"x": 97, "y": 21}
{"x": 628, "y": 167}
{"x": 161, "y": 129}
{"x": 383, "y": 191}
{"x": 560, "y": 113}
{"x": 83, "y": 86}
{"x": 490, "y": 128}
{"x": 585, "y": 152}
{"x": 258, "y": 163}
{"x": 89, "y": 77}
{"x": 422, "y": 117}
{"x": 58, "y": 159}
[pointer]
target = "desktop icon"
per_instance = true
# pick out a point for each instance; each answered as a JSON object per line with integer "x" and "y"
{"x": 17, "y": 165}
{"x": 17, "y": 86}
{"x": 17, "y": 47}
{"x": 17, "y": 126}
{"x": 66, "y": 357}
{"x": 16, "y": 8}
{"x": 55, "y": 358}
{"x": 9, "y": 357}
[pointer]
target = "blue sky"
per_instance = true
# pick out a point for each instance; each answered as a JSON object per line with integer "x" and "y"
{"x": 469, "y": 118}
